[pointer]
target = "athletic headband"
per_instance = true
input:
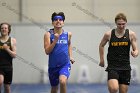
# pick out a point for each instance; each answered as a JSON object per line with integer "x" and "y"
{"x": 58, "y": 17}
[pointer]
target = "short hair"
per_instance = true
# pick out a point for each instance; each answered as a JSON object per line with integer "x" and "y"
{"x": 58, "y": 14}
{"x": 9, "y": 27}
{"x": 120, "y": 16}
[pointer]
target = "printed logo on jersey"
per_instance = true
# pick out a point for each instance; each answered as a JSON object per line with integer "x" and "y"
{"x": 119, "y": 43}
{"x": 69, "y": 69}
{"x": 61, "y": 41}
{"x": 1, "y": 47}
{"x": 63, "y": 37}
{"x": 124, "y": 37}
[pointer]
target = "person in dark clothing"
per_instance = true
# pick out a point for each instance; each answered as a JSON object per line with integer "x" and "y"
{"x": 7, "y": 53}
{"x": 120, "y": 40}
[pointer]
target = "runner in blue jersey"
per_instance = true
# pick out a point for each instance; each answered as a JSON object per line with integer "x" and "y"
{"x": 57, "y": 44}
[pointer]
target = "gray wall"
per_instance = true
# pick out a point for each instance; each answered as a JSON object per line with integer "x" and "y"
{"x": 85, "y": 41}
{"x": 76, "y": 11}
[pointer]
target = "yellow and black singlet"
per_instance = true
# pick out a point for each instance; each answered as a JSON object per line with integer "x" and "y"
{"x": 118, "y": 56}
{"x": 5, "y": 58}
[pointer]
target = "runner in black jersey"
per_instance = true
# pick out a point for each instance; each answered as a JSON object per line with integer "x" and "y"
{"x": 7, "y": 53}
{"x": 120, "y": 40}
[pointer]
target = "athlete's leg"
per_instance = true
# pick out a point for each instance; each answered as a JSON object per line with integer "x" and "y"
{"x": 54, "y": 79}
{"x": 54, "y": 89}
{"x": 63, "y": 81}
{"x": 1, "y": 81}
{"x": 124, "y": 81}
{"x": 7, "y": 88}
{"x": 64, "y": 75}
{"x": 123, "y": 88}
{"x": 113, "y": 85}
{"x": 8, "y": 80}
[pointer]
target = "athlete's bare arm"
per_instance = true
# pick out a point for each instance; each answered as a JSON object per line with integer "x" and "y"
{"x": 13, "y": 46}
{"x": 47, "y": 45}
{"x": 133, "y": 41}
{"x": 70, "y": 47}
{"x": 103, "y": 42}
